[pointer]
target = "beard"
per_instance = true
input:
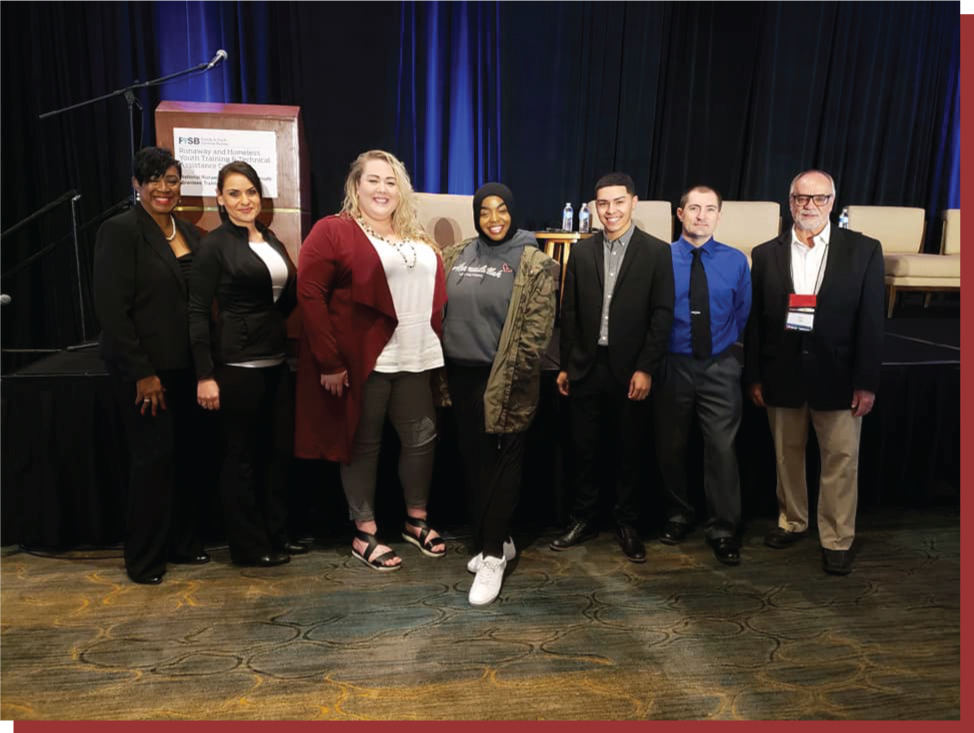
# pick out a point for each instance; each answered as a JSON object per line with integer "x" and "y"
{"x": 811, "y": 225}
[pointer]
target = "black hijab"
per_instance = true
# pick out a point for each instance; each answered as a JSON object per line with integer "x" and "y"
{"x": 504, "y": 193}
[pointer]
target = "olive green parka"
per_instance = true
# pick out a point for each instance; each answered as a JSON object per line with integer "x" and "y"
{"x": 513, "y": 388}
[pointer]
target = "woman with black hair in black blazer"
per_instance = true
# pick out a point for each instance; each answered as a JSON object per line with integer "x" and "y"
{"x": 141, "y": 272}
{"x": 241, "y": 365}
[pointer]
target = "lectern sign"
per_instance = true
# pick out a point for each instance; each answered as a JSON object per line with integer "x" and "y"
{"x": 203, "y": 151}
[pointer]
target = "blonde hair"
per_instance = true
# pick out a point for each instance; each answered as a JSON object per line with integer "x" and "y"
{"x": 405, "y": 220}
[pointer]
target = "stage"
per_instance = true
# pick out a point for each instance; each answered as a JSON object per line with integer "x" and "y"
{"x": 64, "y": 465}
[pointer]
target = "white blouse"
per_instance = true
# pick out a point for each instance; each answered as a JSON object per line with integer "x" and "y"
{"x": 410, "y": 269}
{"x": 275, "y": 265}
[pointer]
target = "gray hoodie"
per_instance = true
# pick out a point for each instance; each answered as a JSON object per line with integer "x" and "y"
{"x": 479, "y": 290}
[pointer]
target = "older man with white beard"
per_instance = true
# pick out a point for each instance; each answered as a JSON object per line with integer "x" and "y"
{"x": 812, "y": 354}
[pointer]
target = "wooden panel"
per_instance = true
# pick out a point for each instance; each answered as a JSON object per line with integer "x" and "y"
{"x": 288, "y": 214}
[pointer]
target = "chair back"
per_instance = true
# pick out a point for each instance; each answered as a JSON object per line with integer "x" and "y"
{"x": 446, "y": 217}
{"x": 898, "y": 228}
{"x": 950, "y": 243}
{"x": 653, "y": 217}
{"x": 744, "y": 225}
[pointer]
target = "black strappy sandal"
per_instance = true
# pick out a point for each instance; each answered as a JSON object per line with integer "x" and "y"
{"x": 423, "y": 542}
{"x": 376, "y": 563}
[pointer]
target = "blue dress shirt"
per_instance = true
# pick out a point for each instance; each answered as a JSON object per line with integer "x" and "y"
{"x": 729, "y": 283}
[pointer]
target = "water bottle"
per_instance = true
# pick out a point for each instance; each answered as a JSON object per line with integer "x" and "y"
{"x": 567, "y": 217}
{"x": 844, "y": 218}
{"x": 584, "y": 219}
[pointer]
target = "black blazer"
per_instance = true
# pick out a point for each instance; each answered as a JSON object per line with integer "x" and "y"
{"x": 843, "y": 352}
{"x": 640, "y": 315}
{"x": 141, "y": 296}
{"x": 249, "y": 324}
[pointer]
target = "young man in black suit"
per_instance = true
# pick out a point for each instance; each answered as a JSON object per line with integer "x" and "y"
{"x": 812, "y": 353}
{"x": 617, "y": 310}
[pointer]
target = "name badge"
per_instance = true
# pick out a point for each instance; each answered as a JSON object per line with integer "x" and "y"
{"x": 801, "y": 312}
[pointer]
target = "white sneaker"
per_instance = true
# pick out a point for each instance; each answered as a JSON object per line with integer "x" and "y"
{"x": 487, "y": 585}
{"x": 510, "y": 552}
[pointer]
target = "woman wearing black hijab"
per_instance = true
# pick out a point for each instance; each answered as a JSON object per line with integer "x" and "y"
{"x": 499, "y": 319}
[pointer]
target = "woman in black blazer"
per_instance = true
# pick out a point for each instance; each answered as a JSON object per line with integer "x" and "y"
{"x": 141, "y": 271}
{"x": 241, "y": 368}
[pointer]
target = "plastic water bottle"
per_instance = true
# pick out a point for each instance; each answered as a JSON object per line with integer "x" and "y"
{"x": 844, "y": 219}
{"x": 584, "y": 219}
{"x": 567, "y": 217}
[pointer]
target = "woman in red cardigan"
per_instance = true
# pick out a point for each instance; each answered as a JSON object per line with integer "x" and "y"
{"x": 372, "y": 290}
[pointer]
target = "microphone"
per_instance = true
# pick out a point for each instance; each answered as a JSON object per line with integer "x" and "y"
{"x": 5, "y": 299}
{"x": 221, "y": 55}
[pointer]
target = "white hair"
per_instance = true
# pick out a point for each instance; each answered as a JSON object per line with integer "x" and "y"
{"x": 791, "y": 189}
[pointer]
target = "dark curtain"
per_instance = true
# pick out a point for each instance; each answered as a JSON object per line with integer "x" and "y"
{"x": 544, "y": 96}
{"x": 740, "y": 96}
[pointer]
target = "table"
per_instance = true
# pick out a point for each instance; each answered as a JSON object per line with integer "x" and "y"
{"x": 558, "y": 246}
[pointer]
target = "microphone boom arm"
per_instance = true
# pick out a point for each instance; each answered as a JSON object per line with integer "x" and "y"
{"x": 130, "y": 88}
{"x": 131, "y": 101}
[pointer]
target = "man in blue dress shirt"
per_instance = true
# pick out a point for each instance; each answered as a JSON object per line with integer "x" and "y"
{"x": 701, "y": 375}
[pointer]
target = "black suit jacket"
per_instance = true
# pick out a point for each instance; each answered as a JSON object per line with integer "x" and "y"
{"x": 843, "y": 352}
{"x": 250, "y": 324}
{"x": 141, "y": 296}
{"x": 640, "y": 315}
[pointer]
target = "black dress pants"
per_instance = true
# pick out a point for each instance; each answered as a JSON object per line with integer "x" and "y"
{"x": 603, "y": 414}
{"x": 166, "y": 490}
{"x": 709, "y": 389}
{"x": 492, "y": 462}
{"x": 258, "y": 428}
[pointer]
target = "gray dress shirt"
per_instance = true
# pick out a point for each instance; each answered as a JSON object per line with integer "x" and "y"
{"x": 613, "y": 253}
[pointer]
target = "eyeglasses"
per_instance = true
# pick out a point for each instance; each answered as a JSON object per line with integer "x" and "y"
{"x": 819, "y": 199}
{"x": 169, "y": 180}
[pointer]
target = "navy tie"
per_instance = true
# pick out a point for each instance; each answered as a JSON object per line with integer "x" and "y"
{"x": 699, "y": 308}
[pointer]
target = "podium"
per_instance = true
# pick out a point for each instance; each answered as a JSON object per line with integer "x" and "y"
{"x": 206, "y": 136}
{"x": 222, "y": 133}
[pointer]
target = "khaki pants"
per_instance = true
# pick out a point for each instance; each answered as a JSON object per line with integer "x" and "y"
{"x": 838, "y": 438}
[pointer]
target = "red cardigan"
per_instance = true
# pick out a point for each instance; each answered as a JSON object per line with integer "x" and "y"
{"x": 348, "y": 317}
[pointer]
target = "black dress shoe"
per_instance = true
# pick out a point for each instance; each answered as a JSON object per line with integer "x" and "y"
{"x": 149, "y": 580}
{"x": 265, "y": 561}
{"x": 726, "y": 550}
{"x": 779, "y": 538}
{"x": 579, "y": 532}
{"x": 632, "y": 546}
{"x": 674, "y": 533}
{"x": 294, "y": 548}
{"x": 836, "y": 562}
{"x": 201, "y": 558}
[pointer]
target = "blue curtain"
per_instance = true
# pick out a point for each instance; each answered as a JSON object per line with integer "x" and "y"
{"x": 543, "y": 96}
{"x": 448, "y": 121}
{"x": 190, "y": 33}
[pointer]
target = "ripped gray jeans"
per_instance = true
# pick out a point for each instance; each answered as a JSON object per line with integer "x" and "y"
{"x": 406, "y": 398}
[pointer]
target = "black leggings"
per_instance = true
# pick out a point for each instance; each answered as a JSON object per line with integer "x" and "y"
{"x": 492, "y": 462}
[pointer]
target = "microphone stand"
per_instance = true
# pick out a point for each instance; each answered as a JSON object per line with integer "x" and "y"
{"x": 129, "y": 94}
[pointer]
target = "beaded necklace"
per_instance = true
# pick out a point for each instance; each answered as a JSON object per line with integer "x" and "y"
{"x": 398, "y": 246}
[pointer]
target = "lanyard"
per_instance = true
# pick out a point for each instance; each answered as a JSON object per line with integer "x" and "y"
{"x": 818, "y": 275}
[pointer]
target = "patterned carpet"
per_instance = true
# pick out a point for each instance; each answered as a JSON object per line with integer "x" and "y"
{"x": 579, "y": 634}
